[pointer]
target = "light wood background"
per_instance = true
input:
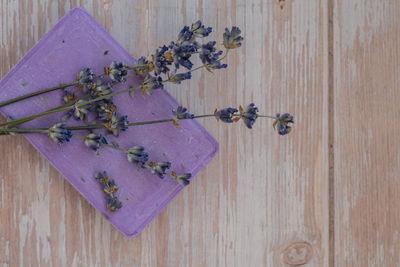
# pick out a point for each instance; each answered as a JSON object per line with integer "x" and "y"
{"x": 326, "y": 195}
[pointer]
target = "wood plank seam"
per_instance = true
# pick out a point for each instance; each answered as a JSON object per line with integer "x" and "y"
{"x": 331, "y": 137}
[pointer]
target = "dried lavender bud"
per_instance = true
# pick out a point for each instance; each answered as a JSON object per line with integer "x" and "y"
{"x": 180, "y": 114}
{"x": 110, "y": 188}
{"x": 141, "y": 67}
{"x": 136, "y": 154}
{"x": 208, "y": 53}
{"x": 105, "y": 110}
{"x": 117, "y": 123}
{"x": 199, "y": 30}
{"x": 158, "y": 168}
{"x": 81, "y": 110}
{"x": 182, "y": 179}
{"x": 178, "y": 78}
{"x": 232, "y": 38}
{"x": 282, "y": 121}
{"x": 68, "y": 97}
{"x": 113, "y": 204}
{"x": 161, "y": 60}
{"x": 225, "y": 114}
{"x": 151, "y": 83}
{"x": 182, "y": 54}
{"x": 185, "y": 36}
{"x": 117, "y": 71}
{"x": 94, "y": 141}
{"x": 101, "y": 89}
{"x": 85, "y": 76}
{"x": 102, "y": 177}
{"x": 210, "y": 56}
{"x": 59, "y": 134}
{"x": 249, "y": 116}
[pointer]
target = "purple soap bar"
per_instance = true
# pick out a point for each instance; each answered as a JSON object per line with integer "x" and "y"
{"x": 78, "y": 41}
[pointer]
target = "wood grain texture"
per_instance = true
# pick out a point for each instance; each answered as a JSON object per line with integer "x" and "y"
{"x": 263, "y": 201}
{"x": 366, "y": 148}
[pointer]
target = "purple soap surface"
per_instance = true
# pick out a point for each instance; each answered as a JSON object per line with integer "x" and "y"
{"x": 78, "y": 41}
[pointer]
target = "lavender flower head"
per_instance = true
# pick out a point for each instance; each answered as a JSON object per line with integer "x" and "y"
{"x": 151, "y": 83}
{"x": 199, "y": 30}
{"x": 249, "y": 115}
{"x": 101, "y": 177}
{"x": 59, "y": 134}
{"x": 85, "y": 79}
{"x": 182, "y": 179}
{"x": 185, "y": 36}
{"x": 113, "y": 204}
{"x": 85, "y": 76}
{"x": 158, "y": 168}
{"x": 94, "y": 141}
{"x": 68, "y": 96}
{"x": 232, "y": 38}
{"x": 226, "y": 114}
{"x": 178, "y": 78}
{"x": 182, "y": 54}
{"x": 161, "y": 60}
{"x": 117, "y": 123}
{"x": 141, "y": 67}
{"x": 117, "y": 71}
{"x": 81, "y": 110}
{"x": 136, "y": 154}
{"x": 110, "y": 187}
{"x": 210, "y": 56}
{"x": 105, "y": 110}
{"x": 282, "y": 122}
{"x": 180, "y": 114}
{"x": 101, "y": 89}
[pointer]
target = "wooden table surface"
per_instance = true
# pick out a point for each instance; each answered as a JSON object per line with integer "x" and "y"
{"x": 326, "y": 195}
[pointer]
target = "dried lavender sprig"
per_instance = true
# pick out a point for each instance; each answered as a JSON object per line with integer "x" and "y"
{"x": 109, "y": 189}
{"x": 93, "y": 127}
{"x": 178, "y": 53}
{"x": 51, "y": 89}
{"x": 65, "y": 108}
{"x": 186, "y": 39}
{"x": 62, "y": 108}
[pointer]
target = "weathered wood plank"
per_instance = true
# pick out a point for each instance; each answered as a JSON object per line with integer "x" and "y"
{"x": 367, "y": 153}
{"x": 253, "y": 205}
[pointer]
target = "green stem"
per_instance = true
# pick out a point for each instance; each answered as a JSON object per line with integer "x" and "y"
{"x": 167, "y": 120}
{"x": 51, "y": 89}
{"x": 115, "y": 147}
{"x": 6, "y": 131}
{"x": 5, "y": 103}
{"x": 266, "y": 116}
